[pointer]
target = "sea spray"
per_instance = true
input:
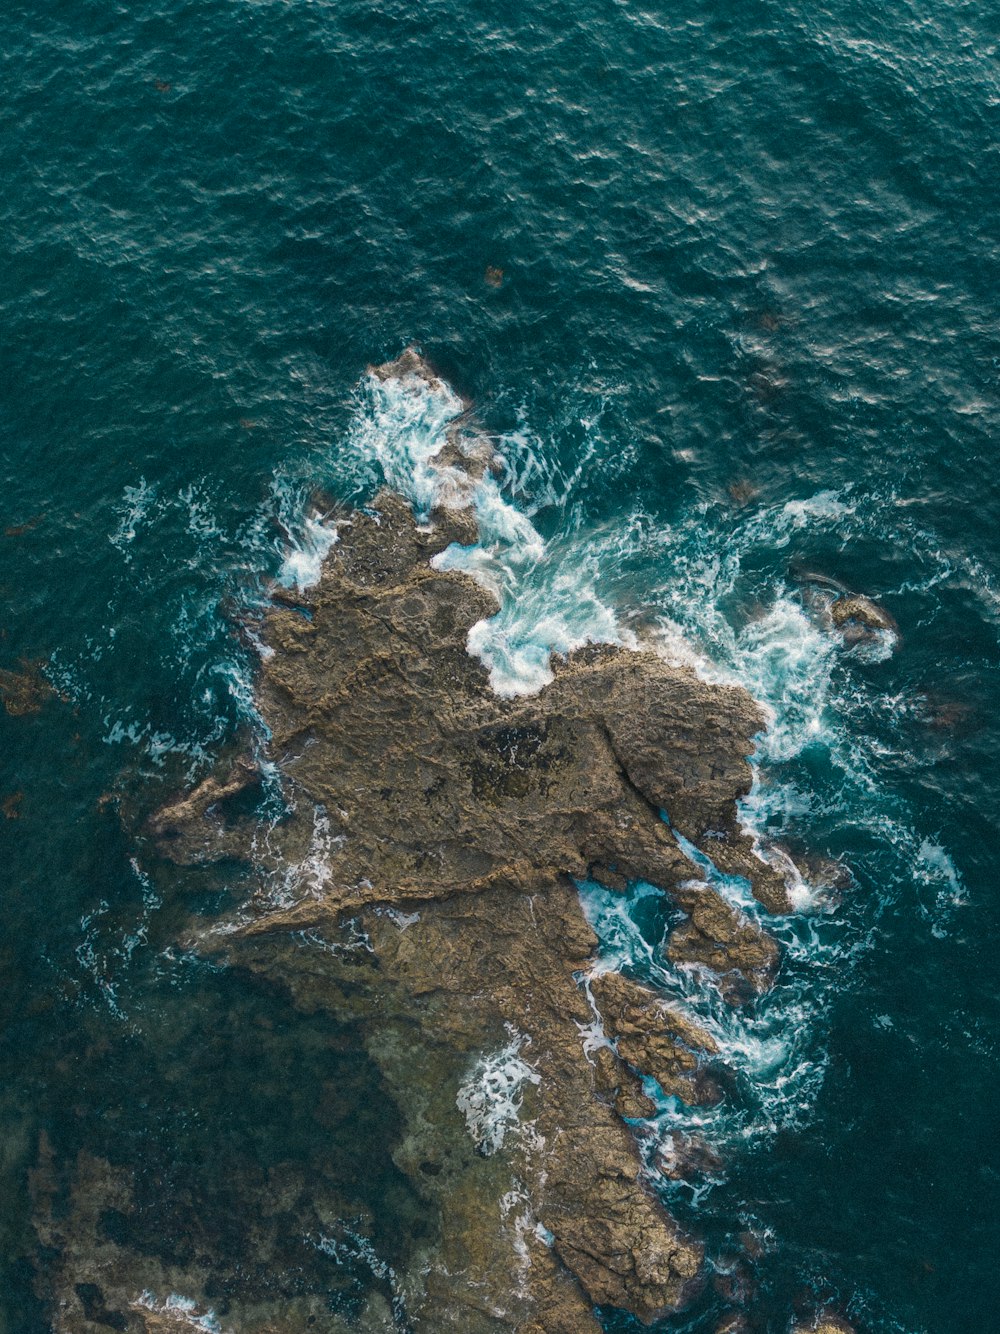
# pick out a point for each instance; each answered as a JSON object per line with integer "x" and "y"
{"x": 547, "y": 604}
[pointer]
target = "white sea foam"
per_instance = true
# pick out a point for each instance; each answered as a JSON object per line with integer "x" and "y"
{"x": 183, "y": 1310}
{"x": 308, "y": 548}
{"x": 288, "y": 882}
{"x": 935, "y": 870}
{"x": 491, "y": 1095}
{"x": 403, "y": 424}
{"x": 547, "y": 605}
{"x": 134, "y": 507}
{"x": 774, "y": 1046}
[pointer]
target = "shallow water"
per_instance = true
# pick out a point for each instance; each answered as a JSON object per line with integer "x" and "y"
{"x": 744, "y": 343}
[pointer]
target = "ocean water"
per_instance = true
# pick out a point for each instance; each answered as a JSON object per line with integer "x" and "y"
{"x": 742, "y": 352}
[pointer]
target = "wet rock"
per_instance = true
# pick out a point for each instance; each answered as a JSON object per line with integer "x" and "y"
{"x": 441, "y": 914}
{"x": 732, "y": 1324}
{"x": 859, "y": 619}
{"x": 193, "y": 828}
{"x": 105, "y": 1268}
{"x": 655, "y": 1037}
{"x": 825, "y": 1324}
{"x": 685, "y": 1156}
{"x": 755, "y": 1244}
{"x": 613, "y": 1077}
{"x": 719, "y": 937}
{"x": 863, "y": 611}
{"x": 733, "y": 1282}
{"x": 673, "y": 736}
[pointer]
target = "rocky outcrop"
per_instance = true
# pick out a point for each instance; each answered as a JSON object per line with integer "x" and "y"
{"x": 655, "y": 1037}
{"x": 443, "y": 828}
{"x": 863, "y": 611}
{"x": 859, "y": 619}
{"x": 194, "y": 827}
{"x": 723, "y": 940}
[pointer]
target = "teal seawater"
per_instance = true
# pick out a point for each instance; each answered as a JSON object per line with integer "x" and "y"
{"x": 746, "y": 330}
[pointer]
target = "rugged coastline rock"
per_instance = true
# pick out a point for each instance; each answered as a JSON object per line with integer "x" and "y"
{"x": 655, "y": 1038}
{"x": 859, "y": 620}
{"x": 439, "y": 830}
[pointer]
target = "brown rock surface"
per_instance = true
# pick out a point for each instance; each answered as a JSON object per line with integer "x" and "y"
{"x": 471, "y": 812}
{"x": 862, "y": 610}
{"x": 440, "y": 913}
{"x": 654, "y": 1037}
{"x": 722, "y": 939}
{"x": 861, "y": 620}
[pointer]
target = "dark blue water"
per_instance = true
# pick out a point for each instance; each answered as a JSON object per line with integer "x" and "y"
{"x": 745, "y": 332}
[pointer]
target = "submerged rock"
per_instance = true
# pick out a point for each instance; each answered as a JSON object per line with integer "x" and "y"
{"x": 443, "y": 828}
{"x": 193, "y": 828}
{"x": 25, "y": 691}
{"x": 732, "y": 1324}
{"x": 684, "y": 1156}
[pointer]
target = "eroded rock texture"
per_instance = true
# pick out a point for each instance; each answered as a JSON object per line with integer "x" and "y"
{"x": 440, "y": 912}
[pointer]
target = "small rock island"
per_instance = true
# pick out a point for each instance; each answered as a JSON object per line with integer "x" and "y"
{"x": 456, "y": 825}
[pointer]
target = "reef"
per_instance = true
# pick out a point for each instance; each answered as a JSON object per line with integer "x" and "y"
{"x": 440, "y": 831}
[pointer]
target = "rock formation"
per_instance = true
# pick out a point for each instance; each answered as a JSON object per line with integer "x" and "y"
{"x": 443, "y": 828}
{"x": 862, "y": 613}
